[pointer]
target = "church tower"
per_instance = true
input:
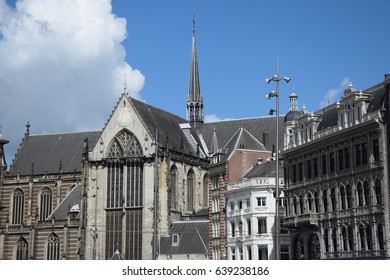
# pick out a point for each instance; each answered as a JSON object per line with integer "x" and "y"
{"x": 194, "y": 99}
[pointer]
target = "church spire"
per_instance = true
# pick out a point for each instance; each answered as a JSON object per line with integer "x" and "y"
{"x": 194, "y": 99}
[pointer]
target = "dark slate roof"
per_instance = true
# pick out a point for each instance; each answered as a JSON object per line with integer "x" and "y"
{"x": 377, "y": 100}
{"x": 291, "y": 115}
{"x": 255, "y": 126}
{"x": 329, "y": 118}
{"x": 71, "y": 200}
{"x": 47, "y": 151}
{"x": 242, "y": 139}
{"x": 168, "y": 126}
{"x": 266, "y": 169}
{"x": 193, "y": 238}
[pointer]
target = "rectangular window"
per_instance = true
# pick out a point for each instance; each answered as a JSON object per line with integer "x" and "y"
{"x": 249, "y": 252}
{"x": 294, "y": 173}
{"x": 364, "y": 153}
{"x": 240, "y": 204}
{"x": 231, "y": 206}
{"x": 248, "y": 203}
{"x": 175, "y": 239}
{"x": 233, "y": 229}
{"x": 261, "y": 201}
{"x": 308, "y": 169}
{"x": 375, "y": 146}
{"x": 300, "y": 171}
{"x": 261, "y": 225}
{"x": 263, "y": 252}
{"x": 358, "y": 155}
{"x": 346, "y": 157}
{"x": 323, "y": 166}
{"x": 315, "y": 169}
{"x": 331, "y": 162}
{"x": 249, "y": 226}
{"x": 341, "y": 159}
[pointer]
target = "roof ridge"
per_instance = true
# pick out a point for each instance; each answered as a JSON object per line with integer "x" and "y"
{"x": 62, "y": 133}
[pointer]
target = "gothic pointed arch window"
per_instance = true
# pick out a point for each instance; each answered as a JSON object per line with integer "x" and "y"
{"x": 190, "y": 190}
{"x": 378, "y": 191}
{"x": 351, "y": 238}
{"x": 325, "y": 201}
{"x": 124, "y": 196}
{"x": 17, "y": 207}
{"x": 367, "y": 196}
{"x": 22, "y": 249}
{"x": 172, "y": 199}
{"x": 45, "y": 203}
{"x": 205, "y": 191}
{"x": 53, "y": 247}
{"x": 360, "y": 194}
{"x": 124, "y": 144}
{"x": 349, "y": 196}
{"x": 380, "y": 236}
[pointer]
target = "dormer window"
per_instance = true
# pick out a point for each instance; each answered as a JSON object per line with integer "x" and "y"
{"x": 175, "y": 239}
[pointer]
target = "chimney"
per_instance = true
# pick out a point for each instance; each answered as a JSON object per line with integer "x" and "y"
{"x": 387, "y": 76}
{"x": 259, "y": 161}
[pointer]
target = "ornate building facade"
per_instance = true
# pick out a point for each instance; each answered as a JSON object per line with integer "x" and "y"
{"x": 336, "y": 172}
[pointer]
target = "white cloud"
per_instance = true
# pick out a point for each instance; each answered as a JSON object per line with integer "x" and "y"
{"x": 62, "y": 66}
{"x": 332, "y": 94}
{"x": 213, "y": 118}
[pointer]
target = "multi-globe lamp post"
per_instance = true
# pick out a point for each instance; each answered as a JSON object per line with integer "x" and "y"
{"x": 275, "y": 93}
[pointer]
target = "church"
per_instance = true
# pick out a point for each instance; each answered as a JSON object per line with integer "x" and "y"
{"x": 138, "y": 188}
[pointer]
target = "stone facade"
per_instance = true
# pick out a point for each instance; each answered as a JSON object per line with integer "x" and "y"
{"x": 336, "y": 176}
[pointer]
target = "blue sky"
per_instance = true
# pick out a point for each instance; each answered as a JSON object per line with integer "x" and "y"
{"x": 322, "y": 45}
{"x": 63, "y": 62}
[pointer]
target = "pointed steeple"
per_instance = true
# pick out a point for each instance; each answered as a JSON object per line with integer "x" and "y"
{"x": 214, "y": 143}
{"x": 194, "y": 99}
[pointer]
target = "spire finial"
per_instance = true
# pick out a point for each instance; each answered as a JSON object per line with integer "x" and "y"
{"x": 28, "y": 128}
{"x": 124, "y": 81}
{"x": 193, "y": 24}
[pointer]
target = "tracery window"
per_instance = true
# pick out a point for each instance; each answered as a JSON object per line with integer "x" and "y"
{"x": 124, "y": 196}
{"x": 17, "y": 207}
{"x": 53, "y": 247}
{"x": 22, "y": 249}
{"x": 172, "y": 200}
{"x": 46, "y": 203}
{"x": 190, "y": 190}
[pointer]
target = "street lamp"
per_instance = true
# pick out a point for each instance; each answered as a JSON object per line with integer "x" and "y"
{"x": 275, "y": 78}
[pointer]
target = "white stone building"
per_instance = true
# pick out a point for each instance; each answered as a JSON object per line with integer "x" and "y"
{"x": 250, "y": 211}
